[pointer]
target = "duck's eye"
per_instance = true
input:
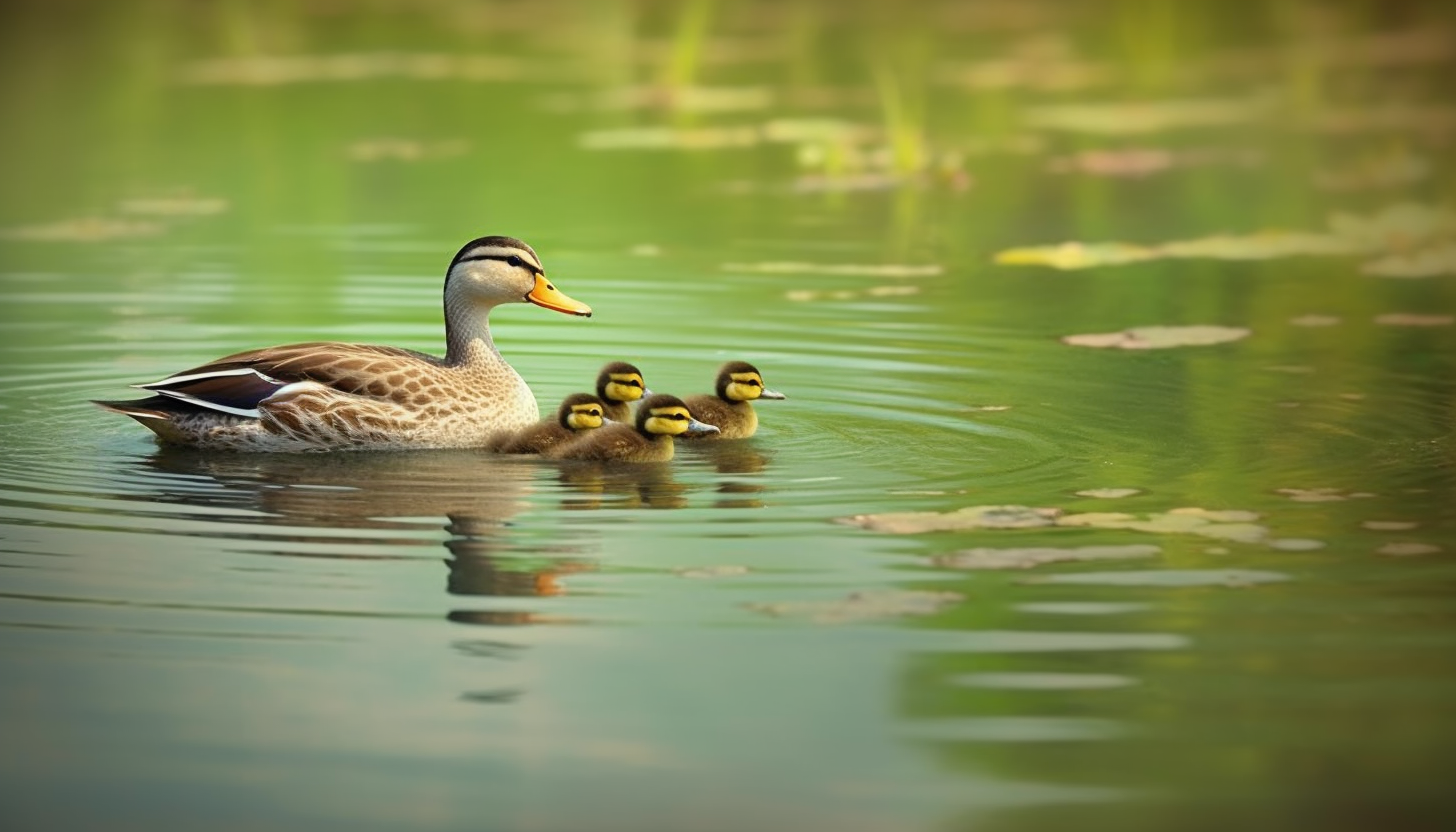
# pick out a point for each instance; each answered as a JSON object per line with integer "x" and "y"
{"x": 515, "y": 261}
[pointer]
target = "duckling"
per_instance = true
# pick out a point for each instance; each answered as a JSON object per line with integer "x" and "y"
{"x": 659, "y": 419}
{"x": 738, "y": 383}
{"x": 618, "y": 384}
{"x": 578, "y": 414}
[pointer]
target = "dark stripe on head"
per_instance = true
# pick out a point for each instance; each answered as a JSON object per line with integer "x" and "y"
{"x": 478, "y": 249}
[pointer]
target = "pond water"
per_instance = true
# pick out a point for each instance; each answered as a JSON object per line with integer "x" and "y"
{"x": 1219, "y": 591}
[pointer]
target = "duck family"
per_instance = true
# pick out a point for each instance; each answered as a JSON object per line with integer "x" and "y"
{"x": 321, "y": 395}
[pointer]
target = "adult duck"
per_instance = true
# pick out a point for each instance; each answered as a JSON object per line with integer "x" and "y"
{"x": 331, "y": 396}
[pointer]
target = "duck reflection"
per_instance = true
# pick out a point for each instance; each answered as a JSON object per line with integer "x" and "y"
{"x": 477, "y": 493}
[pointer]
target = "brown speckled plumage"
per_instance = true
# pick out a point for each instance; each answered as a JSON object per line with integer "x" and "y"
{"x": 334, "y": 396}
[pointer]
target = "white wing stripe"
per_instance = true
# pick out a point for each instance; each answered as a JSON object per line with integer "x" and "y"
{"x": 244, "y": 371}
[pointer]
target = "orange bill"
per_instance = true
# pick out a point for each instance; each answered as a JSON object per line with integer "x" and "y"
{"x": 548, "y": 296}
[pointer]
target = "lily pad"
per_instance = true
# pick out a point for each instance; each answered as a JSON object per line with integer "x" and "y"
{"x": 1296, "y": 544}
{"x": 1236, "y": 526}
{"x": 1315, "y": 320}
{"x": 1074, "y": 255}
{"x": 862, "y": 606}
{"x": 1029, "y": 557}
{"x": 1043, "y": 681}
{"x": 838, "y": 269}
{"x": 1389, "y": 525}
{"x": 1413, "y": 319}
{"x": 1430, "y": 262}
{"x": 1108, "y": 493}
{"x": 1159, "y": 337}
{"x": 1166, "y": 578}
{"x": 1406, "y": 550}
{"x": 970, "y": 517}
{"x": 723, "y": 571}
{"x": 1321, "y": 495}
{"x": 84, "y": 230}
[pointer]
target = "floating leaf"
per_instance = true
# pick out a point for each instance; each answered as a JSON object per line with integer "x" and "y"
{"x": 1429, "y": 262}
{"x": 84, "y": 230}
{"x": 1166, "y": 578}
{"x": 862, "y": 606}
{"x": 1389, "y": 525}
{"x": 1237, "y": 526}
{"x": 275, "y": 70}
{"x": 1148, "y": 116}
{"x": 724, "y": 571}
{"x": 1028, "y": 557}
{"x": 673, "y": 98}
{"x": 839, "y": 269}
{"x": 1076, "y": 255}
{"x": 1412, "y": 319}
{"x": 1381, "y": 171}
{"x": 670, "y": 138}
{"x": 181, "y": 205}
{"x": 1393, "y": 229}
{"x": 406, "y": 150}
{"x": 851, "y": 294}
{"x": 1109, "y": 493}
{"x": 1315, "y": 320}
{"x": 970, "y": 517}
{"x": 1296, "y": 544}
{"x": 1144, "y": 161}
{"x": 1405, "y": 550}
{"x": 1043, "y": 681}
{"x": 1319, "y": 495}
{"x": 1159, "y": 337}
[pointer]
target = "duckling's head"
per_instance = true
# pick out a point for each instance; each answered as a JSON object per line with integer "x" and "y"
{"x": 621, "y": 382}
{"x": 496, "y": 270}
{"x": 739, "y": 381}
{"x": 663, "y": 415}
{"x": 581, "y": 411}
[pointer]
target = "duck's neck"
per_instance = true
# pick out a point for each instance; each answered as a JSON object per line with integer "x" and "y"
{"x": 467, "y": 333}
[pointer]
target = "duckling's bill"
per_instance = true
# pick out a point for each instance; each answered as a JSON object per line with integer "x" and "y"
{"x": 548, "y": 296}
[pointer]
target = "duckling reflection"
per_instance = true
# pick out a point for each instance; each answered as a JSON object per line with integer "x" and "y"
{"x": 595, "y": 485}
{"x": 738, "y": 460}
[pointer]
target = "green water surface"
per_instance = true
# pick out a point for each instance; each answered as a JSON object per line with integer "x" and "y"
{"x": 454, "y": 640}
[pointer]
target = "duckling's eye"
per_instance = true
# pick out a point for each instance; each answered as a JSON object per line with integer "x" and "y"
{"x": 753, "y": 382}
{"x": 677, "y": 417}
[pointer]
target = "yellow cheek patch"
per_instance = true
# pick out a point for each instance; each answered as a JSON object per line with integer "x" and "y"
{"x": 585, "y": 417}
{"x": 668, "y": 421}
{"x": 745, "y": 387}
{"x": 625, "y": 387}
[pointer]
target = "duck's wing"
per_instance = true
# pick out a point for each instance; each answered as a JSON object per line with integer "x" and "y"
{"x": 237, "y": 383}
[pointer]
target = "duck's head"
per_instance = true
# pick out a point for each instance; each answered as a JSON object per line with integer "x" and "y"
{"x": 581, "y": 411}
{"x": 739, "y": 381}
{"x": 663, "y": 415}
{"x": 621, "y": 382}
{"x": 496, "y": 270}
